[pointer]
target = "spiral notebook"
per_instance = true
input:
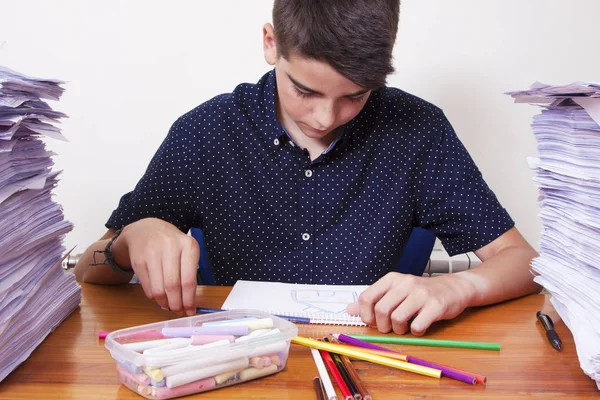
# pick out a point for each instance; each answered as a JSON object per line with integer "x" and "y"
{"x": 323, "y": 304}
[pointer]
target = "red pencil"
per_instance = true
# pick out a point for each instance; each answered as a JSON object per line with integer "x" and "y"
{"x": 336, "y": 375}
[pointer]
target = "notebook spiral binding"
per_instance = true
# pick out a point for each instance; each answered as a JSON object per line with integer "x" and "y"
{"x": 323, "y": 318}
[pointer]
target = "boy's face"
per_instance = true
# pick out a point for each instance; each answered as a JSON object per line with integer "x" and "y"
{"x": 313, "y": 98}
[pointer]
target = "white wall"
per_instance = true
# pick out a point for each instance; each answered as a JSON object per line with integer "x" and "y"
{"x": 134, "y": 66}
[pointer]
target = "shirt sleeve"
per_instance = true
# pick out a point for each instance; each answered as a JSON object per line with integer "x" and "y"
{"x": 453, "y": 200}
{"x": 166, "y": 191}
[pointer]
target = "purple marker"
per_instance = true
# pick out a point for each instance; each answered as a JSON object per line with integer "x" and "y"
{"x": 235, "y": 330}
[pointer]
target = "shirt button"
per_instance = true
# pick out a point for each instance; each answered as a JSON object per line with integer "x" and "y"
{"x": 308, "y": 173}
{"x": 276, "y": 141}
{"x": 305, "y": 236}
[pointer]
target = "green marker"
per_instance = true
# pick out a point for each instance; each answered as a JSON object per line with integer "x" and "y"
{"x": 427, "y": 342}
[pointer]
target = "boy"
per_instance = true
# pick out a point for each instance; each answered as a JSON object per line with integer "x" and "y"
{"x": 316, "y": 174}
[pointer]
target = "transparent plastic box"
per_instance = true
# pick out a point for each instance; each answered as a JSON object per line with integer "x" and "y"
{"x": 178, "y": 368}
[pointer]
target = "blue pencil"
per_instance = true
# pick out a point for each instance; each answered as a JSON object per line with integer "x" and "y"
{"x": 298, "y": 320}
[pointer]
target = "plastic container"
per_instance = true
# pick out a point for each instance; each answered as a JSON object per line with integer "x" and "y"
{"x": 179, "y": 368}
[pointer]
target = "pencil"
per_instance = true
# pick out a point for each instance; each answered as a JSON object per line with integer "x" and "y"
{"x": 359, "y": 383}
{"x": 329, "y": 390}
{"x": 367, "y": 347}
{"x": 318, "y": 388}
{"x": 389, "y": 354}
{"x": 336, "y": 375}
{"x": 427, "y": 342}
{"x": 447, "y": 371}
{"x": 345, "y": 375}
{"x": 480, "y": 378}
{"x": 360, "y": 355}
{"x": 360, "y": 343}
{"x": 298, "y": 320}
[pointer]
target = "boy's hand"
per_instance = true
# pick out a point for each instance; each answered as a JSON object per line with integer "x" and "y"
{"x": 391, "y": 302}
{"x": 165, "y": 261}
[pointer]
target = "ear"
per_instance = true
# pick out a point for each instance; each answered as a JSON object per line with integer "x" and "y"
{"x": 269, "y": 44}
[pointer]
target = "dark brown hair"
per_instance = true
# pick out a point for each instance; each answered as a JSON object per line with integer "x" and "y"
{"x": 355, "y": 37}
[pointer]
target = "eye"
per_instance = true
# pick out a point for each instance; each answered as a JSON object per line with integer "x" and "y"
{"x": 356, "y": 99}
{"x": 301, "y": 93}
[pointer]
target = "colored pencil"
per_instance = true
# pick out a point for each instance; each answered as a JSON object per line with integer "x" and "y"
{"x": 318, "y": 388}
{"x": 298, "y": 320}
{"x": 480, "y": 378}
{"x": 360, "y": 343}
{"x": 447, "y": 371}
{"x": 427, "y": 342}
{"x": 345, "y": 375}
{"x": 329, "y": 390}
{"x": 361, "y": 355}
{"x": 359, "y": 383}
{"x": 389, "y": 354}
{"x": 336, "y": 375}
{"x": 366, "y": 347}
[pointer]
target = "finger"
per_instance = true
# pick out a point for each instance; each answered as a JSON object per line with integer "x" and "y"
{"x": 141, "y": 271}
{"x": 386, "y": 305}
{"x": 172, "y": 279}
{"x": 352, "y": 309}
{"x": 404, "y": 312}
{"x": 368, "y": 299}
{"x": 155, "y": 272}
{"x": 431, "y": 312}
{"x": 190, "y": 256}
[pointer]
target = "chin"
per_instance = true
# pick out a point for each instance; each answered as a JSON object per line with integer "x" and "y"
{"x": 313, "y": 133}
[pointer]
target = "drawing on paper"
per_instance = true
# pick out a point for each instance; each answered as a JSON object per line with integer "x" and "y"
{"x": 329, "y": 301}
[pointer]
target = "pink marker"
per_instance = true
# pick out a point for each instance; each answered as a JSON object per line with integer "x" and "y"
{"x": 102, "y": 335}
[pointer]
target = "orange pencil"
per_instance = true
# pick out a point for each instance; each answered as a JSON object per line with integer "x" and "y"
{"x": 480, "y": 378}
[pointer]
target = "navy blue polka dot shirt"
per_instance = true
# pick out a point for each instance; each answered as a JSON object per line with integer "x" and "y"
{"x": 269, "y": 213}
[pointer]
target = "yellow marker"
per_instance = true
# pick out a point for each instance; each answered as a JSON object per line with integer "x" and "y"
{"x": 360, "y": 355}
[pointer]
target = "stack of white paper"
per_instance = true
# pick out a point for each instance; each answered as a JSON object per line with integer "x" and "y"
{"x": 568, "y": 176}
{"x": 35, "y": 294}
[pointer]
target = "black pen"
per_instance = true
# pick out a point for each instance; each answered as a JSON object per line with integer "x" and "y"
{"x": 548, "y": 325}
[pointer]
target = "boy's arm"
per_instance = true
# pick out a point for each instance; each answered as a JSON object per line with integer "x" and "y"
{"x": 505, "y": 271}
{"x": 390, "y": 303}
{"x": 101, "y": 274}
{"x": 164, "y": 259}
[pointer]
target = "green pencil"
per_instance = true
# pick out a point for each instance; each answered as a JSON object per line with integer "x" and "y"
{"x": 427, "y": 342}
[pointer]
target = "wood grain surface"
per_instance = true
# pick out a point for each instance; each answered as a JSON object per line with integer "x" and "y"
{"x": 72, "y": 363}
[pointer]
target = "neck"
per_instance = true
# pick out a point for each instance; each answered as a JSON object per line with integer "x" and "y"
{"x": 315, "y": 147}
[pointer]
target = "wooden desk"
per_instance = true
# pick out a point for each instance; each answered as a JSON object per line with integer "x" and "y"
{"x": 73, "y": 364}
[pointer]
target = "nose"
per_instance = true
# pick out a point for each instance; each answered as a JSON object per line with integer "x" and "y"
{"x": 324, "y": 115}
